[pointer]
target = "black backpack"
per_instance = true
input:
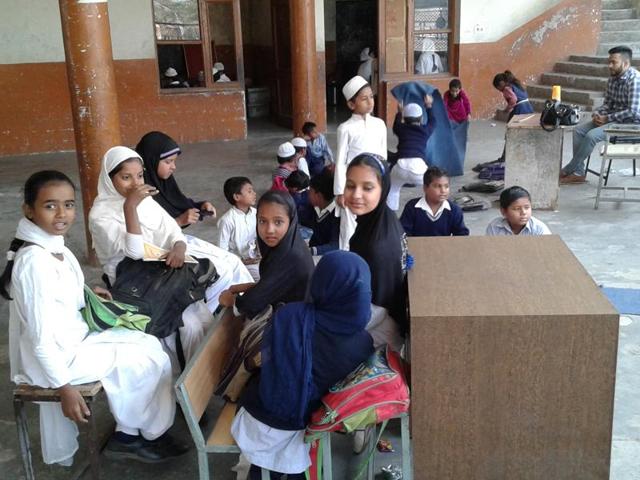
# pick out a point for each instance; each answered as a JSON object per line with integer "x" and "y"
{"x": 162, "y": 292}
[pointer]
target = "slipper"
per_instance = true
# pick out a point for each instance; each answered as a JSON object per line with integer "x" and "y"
{"x": 469, "y": 204}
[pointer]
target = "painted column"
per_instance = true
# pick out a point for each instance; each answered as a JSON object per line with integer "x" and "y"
{"x": 94, "y": 102}
{"x": 303, "y": 62}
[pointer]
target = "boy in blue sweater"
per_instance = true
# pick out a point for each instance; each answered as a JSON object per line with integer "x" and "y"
{"x": 433, "y": 215}
{"x": 324, "y": 223}
{"x": 412, "y": 147}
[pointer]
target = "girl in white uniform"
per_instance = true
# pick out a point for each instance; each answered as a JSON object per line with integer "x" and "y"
{"x": 51, "y": 346}
{"x": 124, "y": 217}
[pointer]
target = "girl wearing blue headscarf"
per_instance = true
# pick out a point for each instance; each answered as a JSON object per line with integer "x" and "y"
{"x": 306, "y": 349}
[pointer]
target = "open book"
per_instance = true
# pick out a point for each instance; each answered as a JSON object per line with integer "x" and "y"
{"x": 157, "y": 254}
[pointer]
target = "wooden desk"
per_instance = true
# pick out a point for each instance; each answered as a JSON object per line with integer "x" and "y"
{"x": 533, "y": 158}
{"x": 513, "y": 358}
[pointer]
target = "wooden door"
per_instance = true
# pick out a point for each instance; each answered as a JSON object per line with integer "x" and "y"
{"x": 281, "y": 31}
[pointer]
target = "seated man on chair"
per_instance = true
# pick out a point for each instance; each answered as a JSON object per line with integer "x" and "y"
{"x": 621, "y": 105}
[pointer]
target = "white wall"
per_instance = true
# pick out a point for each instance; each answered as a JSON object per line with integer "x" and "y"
{"x": 30, "y": 30}
{"x": 490, "y": 20}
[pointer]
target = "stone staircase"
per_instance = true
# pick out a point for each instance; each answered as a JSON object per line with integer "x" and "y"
{"x": 584, "y": 78}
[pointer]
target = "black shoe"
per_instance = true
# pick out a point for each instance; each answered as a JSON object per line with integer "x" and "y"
{"x": 168, "y": 446}
{"x": 146, "y": 451}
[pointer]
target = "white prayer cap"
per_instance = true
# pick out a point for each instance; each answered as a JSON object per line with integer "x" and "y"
{"x": 428, "y": 45}
{"x": 353, "y": 86}
{"x": 412, "y": 110}
{"x": 219, "y": 66}
{"x": 286, "y": 150}
{"x": 364, "y": 54}
{"x": 299, "y": 142}
{"x": 170, "y": 72}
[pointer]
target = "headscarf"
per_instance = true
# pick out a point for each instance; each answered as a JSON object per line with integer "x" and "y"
{"x": 340, "y": 304}
{"x": 152, "y": 148}
{"x": 378, "y": 240}
{"x": 284, "y": 269}
{"x": 106, "y": 218}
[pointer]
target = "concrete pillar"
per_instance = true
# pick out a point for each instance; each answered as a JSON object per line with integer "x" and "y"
{"x": 94, "y": 103}
{"x": 303, "y": 62}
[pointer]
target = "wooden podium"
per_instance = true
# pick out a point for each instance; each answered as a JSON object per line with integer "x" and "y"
{"x": 513, "y": 360}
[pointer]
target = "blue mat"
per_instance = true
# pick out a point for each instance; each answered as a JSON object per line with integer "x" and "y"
{"x": 626, "y": 300}
{"x": 445, "y": 148}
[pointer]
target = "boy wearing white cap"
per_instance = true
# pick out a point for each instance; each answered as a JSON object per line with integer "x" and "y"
{"x": 218, "y": 73}
{"x": 287, "y": 163}
{"x": 300, "y": 144}
{"x": 361, "y": 133}
{"x": 412, "y": 145}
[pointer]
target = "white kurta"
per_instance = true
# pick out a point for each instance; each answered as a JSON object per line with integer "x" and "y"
{"x": 50, "y": 346}
{"x": 237, "y": 232}
{"x": 358, "y": 135}
{"x": 277, "y": 450}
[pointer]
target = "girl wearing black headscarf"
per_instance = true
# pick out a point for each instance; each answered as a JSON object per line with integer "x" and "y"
{"x": 159, "y": 153}
{"x": 379, "y": 239}
{"x": 286, "y": 264}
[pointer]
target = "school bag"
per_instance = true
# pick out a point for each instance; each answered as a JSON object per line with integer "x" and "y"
{"x": 162, "y": 292}
{"x": 373, "y": 393}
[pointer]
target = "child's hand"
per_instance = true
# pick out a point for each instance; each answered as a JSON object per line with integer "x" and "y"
{"x": 73, "y": 405}
{"x": 188, "y": 217}
{"x": 138, "y": 194}
{"x": 227, "y": 299}
{"x": 103, "y": 292}
{"x": 428, "y": 101}
{"x": 175, "y": 258}
{"x": 208, "y": 207}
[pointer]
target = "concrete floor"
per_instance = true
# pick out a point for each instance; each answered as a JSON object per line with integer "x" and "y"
{"x": 605, "y": 242}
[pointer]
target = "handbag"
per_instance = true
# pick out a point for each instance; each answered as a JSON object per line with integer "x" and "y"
{"x": 162, "y": 292}
{"x": 556, "y": 114}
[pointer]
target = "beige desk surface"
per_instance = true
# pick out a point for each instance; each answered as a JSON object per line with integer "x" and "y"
{"x": 501, "y": 276}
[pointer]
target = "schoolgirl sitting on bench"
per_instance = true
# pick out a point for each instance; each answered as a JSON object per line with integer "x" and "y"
{"x": 286, "y": 265}
{"x": 50, "y": 344}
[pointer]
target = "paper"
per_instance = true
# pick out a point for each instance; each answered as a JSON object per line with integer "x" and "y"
{"x": 157, "y": 254}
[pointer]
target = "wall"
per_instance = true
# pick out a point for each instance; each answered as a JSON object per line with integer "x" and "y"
{"x": 33, "y": 75}
{"x": 531, "y": 48}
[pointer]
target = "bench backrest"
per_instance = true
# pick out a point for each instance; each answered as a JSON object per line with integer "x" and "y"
{"x": 203, "y": 371}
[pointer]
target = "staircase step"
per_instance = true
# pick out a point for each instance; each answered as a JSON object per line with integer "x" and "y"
{"x": 538, "y": 106}
{"x": 582, "y": 82}
{"x": 569, "y": 95}
{"x": 619, "y": 14}
{"x": 620, "y": 36}
{"x": 576, "y": 68}
{"x": 604, "y": 47}
{"x": 615, "y": 4}
{"x": 600, "y": 60}
{"x": 617, "y": 25}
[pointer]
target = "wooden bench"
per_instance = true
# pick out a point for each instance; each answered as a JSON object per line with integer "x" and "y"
{"x": 28, "y": 393}
{"x": 195, "y": 388}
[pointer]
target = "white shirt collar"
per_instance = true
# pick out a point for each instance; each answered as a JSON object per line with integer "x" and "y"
{"x": 422, "y": 203}
{"x": 329, "y": 208}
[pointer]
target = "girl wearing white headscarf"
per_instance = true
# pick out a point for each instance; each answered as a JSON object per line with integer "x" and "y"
{"x": 117, "y": 235}
{"x": 51, "y": 345}
{"x": 429, "y": 61}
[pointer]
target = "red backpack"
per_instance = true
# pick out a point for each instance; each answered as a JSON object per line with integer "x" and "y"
{"x": 373, "y": 393}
